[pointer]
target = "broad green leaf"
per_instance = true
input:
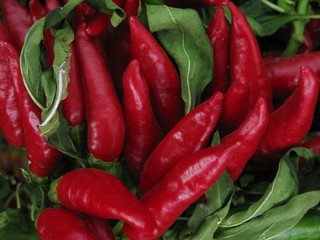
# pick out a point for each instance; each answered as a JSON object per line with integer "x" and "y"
{"x": 309, "y": 226}
{"x": 181, "y": 33}
{"x": 216, "y": 198}
{"x": 284, "y": 186}
{"x": 108, "y": 6}
{"x": 14, "y": 225}
{"x": 275, "y": 221}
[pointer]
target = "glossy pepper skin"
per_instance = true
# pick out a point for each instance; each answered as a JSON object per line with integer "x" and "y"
{"x": 245, "y": 58}
{"x": 37, "y": 10}
{"x": 190, "y": 134}
{"x": 161, "y": 75}
{"x": 106, "y": 127}
{"x": 218, "y": 34}
{"x": 283, "y": 73}
{"x": 235, "y": 106}
{"x": 143, "y": 132}
{"x": 60, "y": 223}
{"x": 98, "y": 193}
{"x": 292, "y": 121}
{"x": 18, "y": 19}
{"x": 10, "y": 120}
{"x": 193, "y": 175}
{"x": 42, "y": 156}
{"x": 5, "y": 35}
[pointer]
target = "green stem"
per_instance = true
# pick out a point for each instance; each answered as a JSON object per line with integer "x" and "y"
{"x": 18, "y": 200}
{"x": 298, "y": 26}
{"x": 273, "y": 6}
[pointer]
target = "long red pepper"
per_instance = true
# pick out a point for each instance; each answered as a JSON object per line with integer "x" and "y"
{"x": 235, "y": 106}
{"x": 59, "y": 223}
{"x": 143, "y": 132}
{"x": 190, "y": 134}
{"x": 98, "y": 193}
{"x": 10, "y": 120}
{"x": 51, "y": 4}
{"x": 283, "y": 73}
{"x": 219, "y": 36}
{"x": 106, "y": 128}
{"x": 193, "y": 175}
{"x": 42, "y": 156}
{"x": 161, "y": 75}
{"x": 246, "y": 59}
{"x": 18, "y": 19}
{"x": 37, "y": 10}
{"x": 290, "y": 123}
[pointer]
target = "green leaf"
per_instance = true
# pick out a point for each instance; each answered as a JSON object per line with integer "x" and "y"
{"x": 275, "y": 221}
{"x": 14, "y": 225}
{"x": 216, "y": 197}
{"x": 114, "y": 168}
{"x": 284, "y": 186}
{"x": 309, "y": 226}
{"x": 181, "y": 33}
{"x": 108, "y": 6}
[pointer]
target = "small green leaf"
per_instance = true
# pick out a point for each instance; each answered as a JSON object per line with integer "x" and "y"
{"x": 113, "y": 168}
{"x": 216, "y": 197}
{"x": 181, "y": 33}
{"x": 108, "y": 6}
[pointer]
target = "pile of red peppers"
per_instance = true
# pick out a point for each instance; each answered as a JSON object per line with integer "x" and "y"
{"x": 77, "y": 87}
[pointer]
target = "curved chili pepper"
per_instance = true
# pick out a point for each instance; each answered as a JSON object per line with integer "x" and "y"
{"x": 283, "y": 73}
{"x": 98, "y": 193}
{"x": 193, "y": 175}
{"x": 161, "y": 75}
{"x": 190, "y": 134}
{"x": 106, "y": 128}
{"x": 219, "y": 36}
{"x": 60, "y": 223}
{"x": 10, "y": 120}
{"x": 246, "y": 59}
{"x": 18, "y": 19}
{"x": 291, "y": 122}
{"x": 143, "y": 132}
{"x": 98, "y": 23}
{"x": 42, "y": 156}
{"x": 235, "y": 106}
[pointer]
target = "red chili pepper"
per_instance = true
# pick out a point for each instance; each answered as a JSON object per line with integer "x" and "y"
{"x": 283, "y": 73}
{"x": 190, "y": 134}
{"x": 5, "y": 35}
{"x": 120, "y": 46}
{"x": 246, "y": 59}
{"x": 143, "y": 132}
{"x": 161, "y": 75}
{"x": 60, "y": 223}
{"x": 51, "y": 4}
{"x": 10, "y": 120}
{"x": 42, "y": 156}
{"x": 18, "y": 19}
{"x": 290, "y": 123}
{"x": 314, "y": 144}
{"x": 98, "y": 23}
{"x": 235, "y": 106}
{"x": 106, "y": 128}
{"x": 37, "y": 10}
{"x": 193, "y": 175}
{"x": 219, "y": 36}
{"x": 98, "y": 193}
{"x": 194, "y": 3}
{"x": 307, "y": 45}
